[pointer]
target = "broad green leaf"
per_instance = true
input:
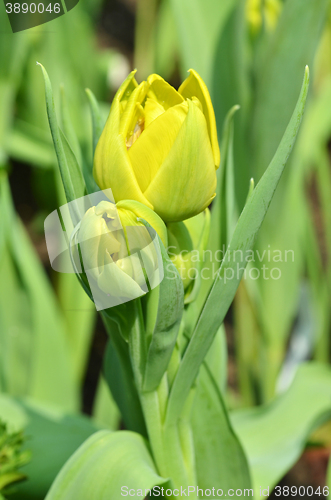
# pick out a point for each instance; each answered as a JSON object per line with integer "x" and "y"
{"x": 103, "y": 465}
{"x": 52, "y": 438}
{"x": 168, "y": 300}
{"x": 71, "y": 174}
{"x": 226, "y": 284}
{"x": 274, "y": 435}
{"x": 220, "y": 460}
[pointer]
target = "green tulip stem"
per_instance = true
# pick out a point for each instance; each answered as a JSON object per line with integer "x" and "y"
{"x": 137, "y": 344}
{"x": 172, "y": 445}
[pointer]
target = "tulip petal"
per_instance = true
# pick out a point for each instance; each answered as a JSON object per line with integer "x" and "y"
{"x": 94, "y": 237}
{"x": 153, "y": 109}
{"x": 185, "y": 183}
{"x": 162, "y": 92}
{"x": 143, "y": 212}
{"x": 116, "y": 282}
{"x": 125, "y": 90}
{"x": 106, "y": 208}
{"x": 194, "y": 86}
{"x": 133, "y": 110}
{"x": 112, "y": 167}
{"x": 153, "y": 146}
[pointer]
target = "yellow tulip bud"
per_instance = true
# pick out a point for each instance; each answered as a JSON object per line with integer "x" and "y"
{"x": 117, "y": 249}
{"x": 159, "y": 147}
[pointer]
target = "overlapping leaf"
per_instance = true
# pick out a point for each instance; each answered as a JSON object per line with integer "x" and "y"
{"x": 103, "y": 465}
{"x": 274, "y": 435}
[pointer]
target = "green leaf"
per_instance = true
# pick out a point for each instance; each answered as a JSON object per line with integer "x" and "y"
{"x": 52, "y": 438}
{"x": 220, "y": 460}
{"x": 225, "y": 285}
{"x": 103, "y": 465}
{"x": 216, "y": 360}
{"x": 168, "y": 300}
{"x": 98, "y": 123}
{"x": 71, "y": 174}
{"x": 68, "y": 128}
{"x": 274, "y": 435}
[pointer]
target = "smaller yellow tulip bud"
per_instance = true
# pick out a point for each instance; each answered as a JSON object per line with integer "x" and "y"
{"x": 119, "y": 256}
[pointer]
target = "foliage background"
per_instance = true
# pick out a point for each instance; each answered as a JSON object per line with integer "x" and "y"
{"x": 249, "y": 53}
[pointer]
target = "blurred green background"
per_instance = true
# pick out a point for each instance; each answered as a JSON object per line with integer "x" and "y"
{"x": 249, "y": 52}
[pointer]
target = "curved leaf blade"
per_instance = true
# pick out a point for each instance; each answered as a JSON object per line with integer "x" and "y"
{"x": 220, "y": 459}
{"x": 275, "y": 434}
{"x": 71, "y": 174}
{"x": 105, "y": 463}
